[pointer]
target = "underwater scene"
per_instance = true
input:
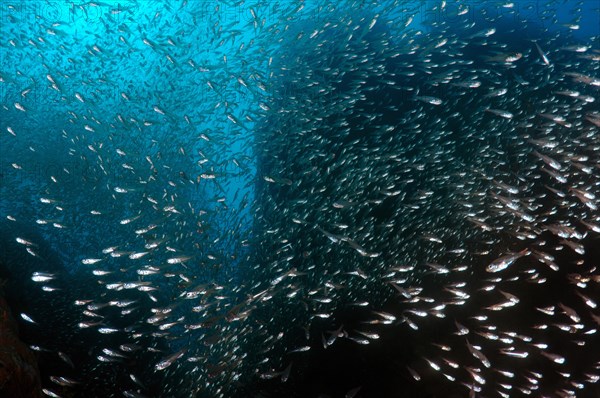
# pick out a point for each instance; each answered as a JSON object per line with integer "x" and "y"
{"x": 316, "y": 198}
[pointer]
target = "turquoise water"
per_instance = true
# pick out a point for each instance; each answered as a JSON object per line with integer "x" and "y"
{"x": 225, "y": 184}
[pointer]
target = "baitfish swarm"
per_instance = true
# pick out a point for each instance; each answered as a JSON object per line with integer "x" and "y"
{"x": 219, "y": 200}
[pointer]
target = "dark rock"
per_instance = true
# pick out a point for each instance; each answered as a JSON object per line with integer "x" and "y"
{"x": 19, "y": 373}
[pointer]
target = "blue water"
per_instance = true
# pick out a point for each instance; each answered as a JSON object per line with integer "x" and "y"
{"x": 119, "y": 117}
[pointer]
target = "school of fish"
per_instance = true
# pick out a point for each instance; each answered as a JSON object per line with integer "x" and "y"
{"x": 206, "y": 197}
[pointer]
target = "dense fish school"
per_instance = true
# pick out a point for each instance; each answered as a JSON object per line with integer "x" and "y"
{"x": 303, "y": 198}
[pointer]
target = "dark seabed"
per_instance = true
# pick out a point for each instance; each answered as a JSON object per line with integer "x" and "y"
{"x": 300, "y": 199}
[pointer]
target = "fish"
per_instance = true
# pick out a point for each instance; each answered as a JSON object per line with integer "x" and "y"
{"x": 542, "y": 55}
{"x": 50, "y": 393}
{"x": 27, "y": 318}
{"x": 500, "y": 112}
{"x": 168, "y": 361}
{"x": 429, "y": 99}
{"x": 303, "y": 185}
{"x": 501, "y": 263}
